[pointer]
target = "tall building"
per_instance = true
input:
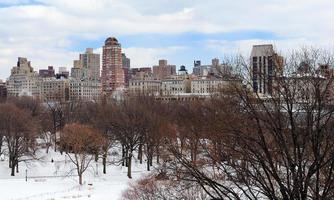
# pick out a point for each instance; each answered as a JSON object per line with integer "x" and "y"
{"x": 47, "y": 73}
{"x": 90, "y": 62}
{"x": 126, "y": 68}
{"x": 163, "y": 70}
{"x": 125, "y": 61}
{"x": 197, "y": 68}
{"x": 77, "y": 71}
{"x": 3, "y": 91}
{"x": 265, "y": 65}
{"x": 113, "y": 76}
{"x": 87, "y": 67}
{"x": 23, "y": 80}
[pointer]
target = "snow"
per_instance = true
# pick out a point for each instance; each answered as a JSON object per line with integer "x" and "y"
{"x": 57, "y": 180}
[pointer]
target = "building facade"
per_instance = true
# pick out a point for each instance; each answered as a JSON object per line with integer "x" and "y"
{"x": 84, "y": 90}
{"x": 207, "y": 86}
{"x": 145, "y": 86}
{"x": 113, "y": 76}
{"x": 163, "y": 70}
{"x": 3, "y": 91}
{"x": 23, "y": 80}
{"x": 265, "y": 66}
{"x": 47, "y": 73}
{"x": 54, "y": 90}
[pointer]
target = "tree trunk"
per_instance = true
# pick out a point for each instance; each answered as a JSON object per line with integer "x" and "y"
{"x": 104, "y": 162}
{"x": 140, "y": 154}
{"x": 148, "y": 158}
{"x": 47, "y": 148}
{"x": 10, "y": 162}
{"x": 126, "y": 156}
{"x": 96, "y": 157}
{"x": 17, "y": 167}
{"x": 158, "y": 155}
{"x": 129, "y": 164}
{"x": 12, "y": 169}
{"x": 1, "y": 142}
{"x": 80, "y": 178}
{"x": 123, "y": 155}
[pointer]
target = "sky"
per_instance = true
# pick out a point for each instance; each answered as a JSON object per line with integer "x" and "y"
{"x": 54, "y": 32}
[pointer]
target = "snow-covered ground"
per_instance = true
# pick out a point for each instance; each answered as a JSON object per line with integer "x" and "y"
{"x": 53, "y": 181}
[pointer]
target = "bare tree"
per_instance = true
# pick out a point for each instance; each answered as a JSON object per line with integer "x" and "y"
{"x": 270, "y": 147}
{"x": 19, "y": 130}
{"x": 80, "y": 142}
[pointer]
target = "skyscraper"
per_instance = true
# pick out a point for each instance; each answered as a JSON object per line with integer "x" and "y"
{"x": 163, "y": 70}
{"x": 91, "y": 64}
{"x": 112, "y": 68}
{"x": 126, "y": 68}
{"x": 87, "y": 67}
{"x": 265, "y": 66}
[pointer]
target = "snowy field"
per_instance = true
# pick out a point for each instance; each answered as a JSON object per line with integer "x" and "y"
{"x": 57, "y": 180}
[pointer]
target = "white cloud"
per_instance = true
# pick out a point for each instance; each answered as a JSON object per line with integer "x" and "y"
{"x": 44, "y": 32}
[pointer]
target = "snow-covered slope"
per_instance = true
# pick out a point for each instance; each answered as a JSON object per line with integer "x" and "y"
{"x": 57, "y": 180}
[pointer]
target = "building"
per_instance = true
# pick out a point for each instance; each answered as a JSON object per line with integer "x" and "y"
{"x": 197, "y": 68}
{"x": 172, "y": 87}
{"x": 113, "y": 76}
{"x": 141, "y": 73}
{"x": 90, "y": 63}
{"x": 163, "y": 70}
{"x": 125, "y": 61}
{"x": 3, "y": 91}
{"x": 62, "y": 72}
{"x": 77, "y": 71}
{"x": 182, "y": 71}
{"x": 84, "y": 90}
{"x": 265, "y": 66}
{"x": 215, "y": 68}
{"x": 87, "y": 67}
{"x": 207, "y": 86}
{"x": 126, "y": 68}
{"x": 145, "y": 86}
{"x": 54, "y": 89}
{"x": 23, "y": 80}
{"x": 47, "y": 73}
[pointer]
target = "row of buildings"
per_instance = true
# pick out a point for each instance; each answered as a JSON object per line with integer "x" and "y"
{"x": 87, "y": 81}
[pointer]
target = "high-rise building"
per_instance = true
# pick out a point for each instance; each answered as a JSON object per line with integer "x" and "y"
{"x": 126, "y": 68}
{"x": 112, "y": 67}
{"x": 125, "y": 61}
{"x": 197, "y": 68}
{"x": 23, "y": 80}
{"x": 265, "y": 65}
{"x": 87, "y": 67}
{"x": 163, "y": 70}
{"x": 47, "y": 73}
{"x": 90, "y": 62}
{"x": 77, "y": 71}
{"x": 3, "y": 91}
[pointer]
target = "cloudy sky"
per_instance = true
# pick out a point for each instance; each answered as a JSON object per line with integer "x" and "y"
{"x": 53, "y": 32}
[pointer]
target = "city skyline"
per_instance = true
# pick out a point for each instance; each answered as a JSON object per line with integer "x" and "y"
{"x": 54, "y": 32}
